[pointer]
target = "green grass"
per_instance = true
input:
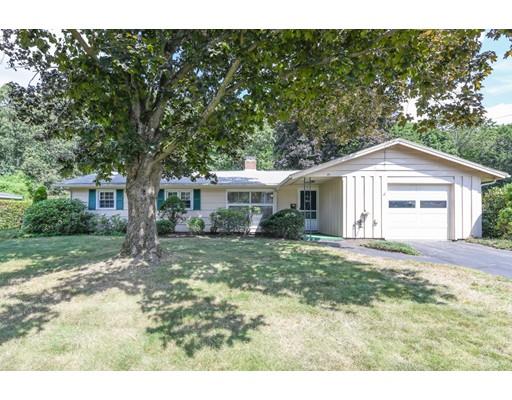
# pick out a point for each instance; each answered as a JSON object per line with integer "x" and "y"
{"x": 503, "y": 244}
{"x": 395, "y": 247}
{"x": 66, "y": 303}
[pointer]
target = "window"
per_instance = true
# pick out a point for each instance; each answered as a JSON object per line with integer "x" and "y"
{"x": 184, "y": 196}
{"x": 262, "y": 202}
{"x": 106, "y": 199}
{"x": 402, "y": 204}
{"x": 433, "y": 204}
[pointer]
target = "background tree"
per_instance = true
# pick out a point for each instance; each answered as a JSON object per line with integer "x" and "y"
{"x": 26, "y": 149}
{"x": 150, "y": 103}
{"x": 259, "y": 142}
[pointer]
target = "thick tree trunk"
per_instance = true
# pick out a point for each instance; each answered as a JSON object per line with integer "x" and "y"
{"x": 142, "y": 185}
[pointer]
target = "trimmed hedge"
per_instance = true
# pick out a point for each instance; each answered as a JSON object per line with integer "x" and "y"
{"x": 57, "y": 217}
{"x": 196, "y": 225}
{"x": 287, "y": 224}
{"x": 164, "y": 227}
{"x": 225, "y": 220}
{"x": 104, "y": 225}
{"x": 11, "y": 213}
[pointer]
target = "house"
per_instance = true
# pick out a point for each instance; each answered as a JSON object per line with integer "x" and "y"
{"x": 395, "y": 190}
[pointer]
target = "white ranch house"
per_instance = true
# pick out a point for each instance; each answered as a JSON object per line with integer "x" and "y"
{"x": 395, "y": 190}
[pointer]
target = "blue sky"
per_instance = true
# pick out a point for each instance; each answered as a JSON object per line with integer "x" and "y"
{"x": 497, "y": 89}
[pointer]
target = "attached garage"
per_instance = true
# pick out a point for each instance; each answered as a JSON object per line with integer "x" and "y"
{"x": 418, "y": 211}
{"x": 399, "y": 190}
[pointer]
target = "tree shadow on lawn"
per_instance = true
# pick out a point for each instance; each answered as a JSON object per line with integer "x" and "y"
{"x": 315, "y": 276}
{"x": 45, "y": 257}
{"x": 182, "y": 315}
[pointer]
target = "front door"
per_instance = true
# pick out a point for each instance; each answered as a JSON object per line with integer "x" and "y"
{"x": 308, "y": 206}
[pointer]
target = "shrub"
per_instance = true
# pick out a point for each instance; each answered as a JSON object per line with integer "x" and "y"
{"x": 195, "y": 225}
{"x": 504, "y": 223}
{"x": 164, "y": 227}
{"x": 493, "y": 201}
{"x": 230, "y": 221}
{"x": 288, "y": 224}
{"x": 40, "y": 194}
{"x": 173, "y": 210}
{"x": 103, "y": 225}
{"x": 57, "y": 217}
{"x": 11, "y": 213}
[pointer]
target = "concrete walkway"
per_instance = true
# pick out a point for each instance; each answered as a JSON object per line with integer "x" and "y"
{"x": 483, "y": 258}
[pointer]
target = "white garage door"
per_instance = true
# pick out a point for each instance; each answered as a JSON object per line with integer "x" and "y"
{"x": 417, "y": 212}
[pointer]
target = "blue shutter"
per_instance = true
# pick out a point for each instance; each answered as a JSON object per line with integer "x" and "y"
{"x": 119, "y": 199}
{"x": 197, "y": 199}
{"x": 160, "y": 199}
{"x": 92, "y": 199}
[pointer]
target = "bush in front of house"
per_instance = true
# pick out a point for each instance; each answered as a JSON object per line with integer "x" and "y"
{"x": 228, "y": 220}
{"x": 103, "y": 225}
{"x": 40, "y": 194}
{"x": 56, "y": 217}
{"x": 504, "y": 222}
{"x": 11, "y": 213}
{"x": 173, "y": 210}
{"x": 164, "y": 227}
{"x": 195, "y": 225}
{"x": 287, "y": 224}
{"x": 493, "y": 201}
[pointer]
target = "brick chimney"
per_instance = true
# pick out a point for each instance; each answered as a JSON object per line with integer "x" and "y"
{"x": 250, "y": 163}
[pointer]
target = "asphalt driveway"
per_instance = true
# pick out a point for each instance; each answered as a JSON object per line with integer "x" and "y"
{"x": 483, "y": 258}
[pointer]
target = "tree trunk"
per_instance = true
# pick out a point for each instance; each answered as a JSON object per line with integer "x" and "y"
{"x": 142, "y": 185}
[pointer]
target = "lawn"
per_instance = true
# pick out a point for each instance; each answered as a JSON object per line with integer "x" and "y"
{"x": 502, "y": 244}
{"x": 244, "y": 304}
{"x": 395, "y": 247}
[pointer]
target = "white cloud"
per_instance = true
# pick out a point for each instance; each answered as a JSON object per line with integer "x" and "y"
{"x": 500, "y": 113}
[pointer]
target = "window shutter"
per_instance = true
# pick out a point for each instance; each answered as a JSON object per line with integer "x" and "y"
{"x": 160, "y": 199}
{"x": 197, "y": 199}
{"x": 119, "y": 199}
{"x": 92, "y": 199}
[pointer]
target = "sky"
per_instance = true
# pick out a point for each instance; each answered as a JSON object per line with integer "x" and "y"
{"x": 497, "y": 88}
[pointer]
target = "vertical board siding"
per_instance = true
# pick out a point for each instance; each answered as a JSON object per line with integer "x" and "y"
{"x": 466, "y": 206}
{"x": 476, "y": 206}
{"x": 368, "y": 207}
{"x": 330, "y": 207}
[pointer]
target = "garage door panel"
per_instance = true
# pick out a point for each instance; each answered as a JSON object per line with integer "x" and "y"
{"x": 428, "y": 219}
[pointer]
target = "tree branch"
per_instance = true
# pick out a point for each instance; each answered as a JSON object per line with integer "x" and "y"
{"x": 221, "y": 91}
{"x": 89, "y": 50}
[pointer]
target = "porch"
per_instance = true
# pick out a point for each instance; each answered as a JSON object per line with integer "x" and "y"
{"x": 319, "y": 199}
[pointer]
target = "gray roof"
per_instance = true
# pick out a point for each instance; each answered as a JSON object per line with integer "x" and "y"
{"x": 10, "y": 196}
{"x": 228, "y": 178}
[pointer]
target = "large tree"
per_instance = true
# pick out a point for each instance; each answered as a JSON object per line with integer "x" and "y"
{"x": 153, "y": 103}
